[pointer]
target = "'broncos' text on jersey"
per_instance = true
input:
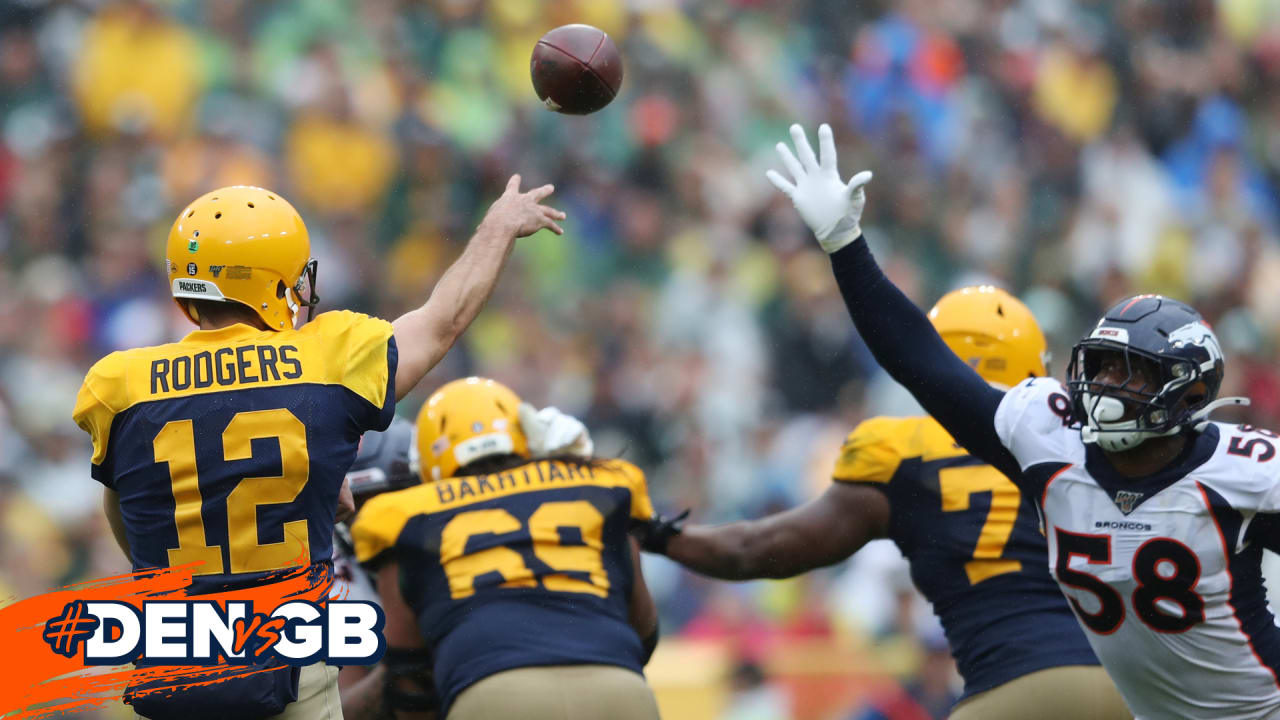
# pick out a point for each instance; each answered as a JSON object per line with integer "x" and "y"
{"x": 1162, "y": 572}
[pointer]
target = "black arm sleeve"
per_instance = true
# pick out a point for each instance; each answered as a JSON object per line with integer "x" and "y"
{"x": 1265, "y": 529}
{"x": 911, "y": 351}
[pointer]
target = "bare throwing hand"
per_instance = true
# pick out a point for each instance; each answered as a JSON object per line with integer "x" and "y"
{"x": 523, "y": 214}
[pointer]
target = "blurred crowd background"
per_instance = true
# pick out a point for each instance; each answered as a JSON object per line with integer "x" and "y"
{"x": 1072, "y": 152}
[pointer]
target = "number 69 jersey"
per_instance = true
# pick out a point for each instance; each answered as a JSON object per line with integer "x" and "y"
{"x": 1163, "y": 572}
{"x": 526, "y": 567}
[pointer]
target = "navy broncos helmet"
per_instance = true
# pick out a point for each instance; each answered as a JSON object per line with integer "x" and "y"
{"x": 1179, "y": 355}
{"x": 382, "y": 462}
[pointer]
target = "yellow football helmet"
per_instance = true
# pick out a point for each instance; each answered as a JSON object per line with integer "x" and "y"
{"x": 464, "y": 421}
{"x": 242, "y": 244}
{"x": 993, "y": 332}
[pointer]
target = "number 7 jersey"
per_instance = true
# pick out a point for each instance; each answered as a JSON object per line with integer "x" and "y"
{"x": 975, "y": 550}
{"x": 1163, "y": 572}
{"x": 526, "y": 567}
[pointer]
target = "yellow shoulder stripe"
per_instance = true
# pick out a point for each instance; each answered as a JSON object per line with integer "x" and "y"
{"x": 382, "y": 519}
{"x": 359, "y": 343}
{"x": 92, "y": 413}
{"x": 876, "y": 448}
{"x": 641, "y": 505}
{"x": 871, "y": 453}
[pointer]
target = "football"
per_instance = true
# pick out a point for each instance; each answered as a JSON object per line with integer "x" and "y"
{"x": 576, "y": 69}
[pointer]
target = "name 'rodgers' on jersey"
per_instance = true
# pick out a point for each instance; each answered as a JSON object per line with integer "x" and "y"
{"x": 228, "y": 447}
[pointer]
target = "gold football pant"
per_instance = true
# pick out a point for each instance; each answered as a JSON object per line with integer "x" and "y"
{"x": 558, "y": 692}
{"x": 317, "y": 696}
{"x": 1070, "y": 692}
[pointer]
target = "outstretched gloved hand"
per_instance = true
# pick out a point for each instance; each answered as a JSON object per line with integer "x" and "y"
{"x": 830, "y": 207}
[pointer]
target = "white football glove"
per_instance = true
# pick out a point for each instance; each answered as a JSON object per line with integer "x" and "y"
{"x": 550, "y": 431}
{"x": 830, "y": 207}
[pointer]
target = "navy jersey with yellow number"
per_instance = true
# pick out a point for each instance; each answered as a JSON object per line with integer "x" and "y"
{"x": 975, "y": 548}
{"x": 229, "y": 447}
{"x": 527, "y": 567}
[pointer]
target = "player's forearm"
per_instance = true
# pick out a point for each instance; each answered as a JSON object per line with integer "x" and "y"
{"x": 454, "y": 303}
{"x": 736, "y": 551}
{"x": 362, "y": 699}
{"x": 906, "y": 345}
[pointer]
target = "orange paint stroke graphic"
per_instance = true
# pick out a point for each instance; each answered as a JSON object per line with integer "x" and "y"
{"x": 39, "y": 683}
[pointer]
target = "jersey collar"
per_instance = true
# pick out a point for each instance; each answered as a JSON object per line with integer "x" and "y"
{"x": 238, "y": 331}
{"x": 1196, "y": 453}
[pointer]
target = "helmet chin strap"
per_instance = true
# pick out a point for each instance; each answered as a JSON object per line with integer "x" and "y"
{"x": 1200, "y": 420}
{"x": 1114, "y": 435}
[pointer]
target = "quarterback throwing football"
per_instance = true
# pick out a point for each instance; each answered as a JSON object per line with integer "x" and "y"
{"x": 1155, "y": 517}
{"x": 227, "y": 450}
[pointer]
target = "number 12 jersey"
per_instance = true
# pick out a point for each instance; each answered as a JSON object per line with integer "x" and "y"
{"x": 1163, "y": 571}
{"x": 227, "y": 449}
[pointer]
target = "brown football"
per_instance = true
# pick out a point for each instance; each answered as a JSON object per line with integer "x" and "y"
{"x": 576, "y": 69}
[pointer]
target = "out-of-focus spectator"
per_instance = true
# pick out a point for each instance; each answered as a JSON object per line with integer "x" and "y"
{"x": 754, "y": 697}
{"x": 137, "y": 71}
{"x": 928, "y": 694}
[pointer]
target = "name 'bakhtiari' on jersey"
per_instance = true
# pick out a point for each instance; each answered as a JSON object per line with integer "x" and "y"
{"x": 526, "y": 567}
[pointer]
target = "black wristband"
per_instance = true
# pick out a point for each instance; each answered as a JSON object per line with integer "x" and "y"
{"x": 655, "y": 533}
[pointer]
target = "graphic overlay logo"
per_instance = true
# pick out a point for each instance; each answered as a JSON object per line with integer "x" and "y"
{"x": 146, "y": 637}
{"x": 67, "y": 631}
{"x": 202, "y": 632}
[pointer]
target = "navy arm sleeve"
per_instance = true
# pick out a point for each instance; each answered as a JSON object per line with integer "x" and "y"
{"x": 905, "y": 344}
{"x": 1265, "y": 529}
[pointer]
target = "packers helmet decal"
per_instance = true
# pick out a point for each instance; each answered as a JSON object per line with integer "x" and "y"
{"x": 243, "y": 244}
{"x": 993, "y": 332}
{"x": 465, "y": 421}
